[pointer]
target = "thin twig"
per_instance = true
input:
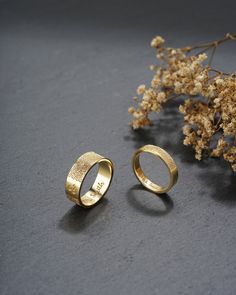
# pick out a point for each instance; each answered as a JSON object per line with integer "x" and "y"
{"x": 212, "y": 55}
{"x": 219, "y": 72}
{"x": 227, "y": 37}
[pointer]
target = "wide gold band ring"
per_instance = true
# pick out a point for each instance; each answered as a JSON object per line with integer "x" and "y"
{"x": 78, "y": 173}
{"x": 166, "y": 158}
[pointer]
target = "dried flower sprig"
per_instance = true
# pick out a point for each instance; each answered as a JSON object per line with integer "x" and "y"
{"x": 210, "y": 106}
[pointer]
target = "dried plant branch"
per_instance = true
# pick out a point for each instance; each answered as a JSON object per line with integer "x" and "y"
{"x": 209, "y": 45}
{"x": 183, "y": 73}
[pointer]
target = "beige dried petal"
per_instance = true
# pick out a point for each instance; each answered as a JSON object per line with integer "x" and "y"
{"x": 234, "y": 167}
{"x": 141, "y": 89}
{"x": 157, "y": 42}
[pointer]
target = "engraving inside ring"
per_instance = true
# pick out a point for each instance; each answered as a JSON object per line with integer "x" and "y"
{"x": 100, "y": 185}
{"x": 152, "y": 171}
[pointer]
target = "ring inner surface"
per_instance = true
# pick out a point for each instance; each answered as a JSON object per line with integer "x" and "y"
{"x": 144, "y": 179}
{"x": 100, "y": 185}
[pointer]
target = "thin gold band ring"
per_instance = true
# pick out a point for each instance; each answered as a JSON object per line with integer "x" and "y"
{"x": 166, "y": 158}
{"x": 78, "y": 173}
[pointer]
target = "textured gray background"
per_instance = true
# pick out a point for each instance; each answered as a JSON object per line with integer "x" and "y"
{"x": 68, "y": 71}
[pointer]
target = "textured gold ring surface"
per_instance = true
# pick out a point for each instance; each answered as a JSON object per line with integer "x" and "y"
{"x": 166, "y": 158}
{"x": 78, "y": 173}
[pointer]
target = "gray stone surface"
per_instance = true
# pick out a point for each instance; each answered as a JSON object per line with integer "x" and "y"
{"x": 68, "y": 72}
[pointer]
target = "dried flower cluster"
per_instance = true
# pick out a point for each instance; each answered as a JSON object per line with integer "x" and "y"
{"x": 210, "y": 107}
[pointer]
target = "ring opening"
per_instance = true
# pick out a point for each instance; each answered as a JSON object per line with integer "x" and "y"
{"x": 100, "y": 185}
{"x": 152, "y": 166}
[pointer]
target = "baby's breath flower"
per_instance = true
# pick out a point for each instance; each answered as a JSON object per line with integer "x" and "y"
{"x": 157, "y": 42}
{"x": 131, "y": 110}
{"x": 186, "y": 129}
{"x": 202, "y": 57}
{"x": 219, "y": 81}
{"x": 178, "y": 86}
{"x": 200, "y": 78}
{"x": 198, "y": 87}
{"x": 182, "y": 109}
{"x": 161, "y": 97}
{"x": 210, "y": 91}
{"x": 152, "y": 67}
{"x": 186, "y": 75}
{"x": 234, "y": 167}
{"x": 155, "y": 82}
{"x": 141, "y": 89}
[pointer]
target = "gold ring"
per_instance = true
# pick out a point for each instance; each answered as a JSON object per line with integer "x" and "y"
{"x": 166, "y": 158}
{"x": 78, "y": 173}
